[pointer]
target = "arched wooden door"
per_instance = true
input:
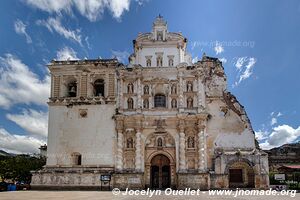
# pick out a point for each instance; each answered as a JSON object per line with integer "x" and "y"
{"x": 160, "y": 172}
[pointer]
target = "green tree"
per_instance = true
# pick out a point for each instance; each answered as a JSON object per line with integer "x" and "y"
{"x": 18, "y": 167}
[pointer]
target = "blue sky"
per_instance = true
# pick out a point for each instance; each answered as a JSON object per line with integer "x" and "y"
{"x": 258, "y": 42}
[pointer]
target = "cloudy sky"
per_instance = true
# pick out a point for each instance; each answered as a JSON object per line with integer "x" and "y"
{"x": 257, "y": 41}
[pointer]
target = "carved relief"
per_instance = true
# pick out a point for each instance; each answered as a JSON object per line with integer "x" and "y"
{"x": 161, "y": 140}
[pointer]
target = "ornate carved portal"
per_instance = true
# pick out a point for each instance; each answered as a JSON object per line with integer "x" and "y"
{"x": 160, "y": 168}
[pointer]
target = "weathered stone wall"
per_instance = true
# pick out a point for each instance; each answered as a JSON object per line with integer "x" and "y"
{"x": 129, "y": 180}
{"x": 70, "y": 178}
{"x": 193, "y": 180}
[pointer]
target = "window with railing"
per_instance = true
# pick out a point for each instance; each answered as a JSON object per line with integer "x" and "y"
{"x": 160, "y": 100}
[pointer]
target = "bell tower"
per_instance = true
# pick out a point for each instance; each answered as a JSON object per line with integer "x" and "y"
{"x": 159, "y": 29}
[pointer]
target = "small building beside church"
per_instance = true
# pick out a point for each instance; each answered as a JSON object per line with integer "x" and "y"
{"x": 159, "y": 122}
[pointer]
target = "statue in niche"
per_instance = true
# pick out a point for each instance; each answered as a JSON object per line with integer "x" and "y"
{"x": 148, "y": 62}
{"x": 174, "y": 103}
{"x": 190, "y": 102}
{"x": 159, "y": 142}
{"x": 171, "y": 62}
{"x": 130, "y": 103}
{"x": 146, "y": 89}
{"x": 130, "y": 88}
{"x": 159, "y": 35}
{"x": 130, "y": 143}
{"x": 189, "y": 86}
{"x": 173, "y": 89}
{"x": 191, "y": 142}
{"x": 146, "y": 103}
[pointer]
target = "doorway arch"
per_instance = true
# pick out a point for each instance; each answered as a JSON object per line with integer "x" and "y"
{"x": 160, "y": 172}
{"x": 241, "y": 174}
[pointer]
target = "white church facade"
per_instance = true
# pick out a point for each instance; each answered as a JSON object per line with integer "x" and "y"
{"x": 161, "y": 121}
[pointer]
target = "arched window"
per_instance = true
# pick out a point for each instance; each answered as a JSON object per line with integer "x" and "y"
{"x": 72, "y": 89}
{"x": 160, "y": 100}
{"x": 174, "y": 103}
{"x": 189, "y": 102}
{"x": 130, "y": 88}
{"x": 171, "y": 62}
{"x": 159, "y": 61}
{"x": 148, "y": 62}
{"x": 130, "y": 103}
{"x": 146, "y": 89}
{"x": 146, "y": 103}
{"x": 99, "y": 87}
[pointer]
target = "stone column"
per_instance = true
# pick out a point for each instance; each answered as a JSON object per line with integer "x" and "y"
{"x": 202, "y": 164}
{"x": 119, "y": 163}
{"x": 138, "y": 151}
{"x": 121, "y": 101}
{"x": 201, "y": 95}
{"x": 182, "y": 162}
{"x": 139, "y": 94}
{"x": 180, "y": 91}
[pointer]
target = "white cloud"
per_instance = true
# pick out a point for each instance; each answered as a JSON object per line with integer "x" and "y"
{"x": 280, "y": 135}
{"x": 34, "y": 122}
{"x": 66, "y": 53}
{"x": 51, "y": 5}
{"x": 20, "y": 28}
{"x": 218, "y": 48}
{"x": 194, "y": 60}
{"x": 120, "y": 55}
{"x": 274, "y": 117}
{"x": 240, "y": 62}
{"x": 245, "y": 67}
{"x": 117, "y": 7}
{"x": 19, "y": 143}
{"x": 54, "y": 24}
{"x": 273, "y": 121}
{"x": 20, "y": 85}
{"x": 261, "y": 135}
{"x": 223, "y": 60}
{"x": 91, "y": 9}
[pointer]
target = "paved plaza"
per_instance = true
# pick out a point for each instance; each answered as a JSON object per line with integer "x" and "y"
{"x": 91, "y": 195}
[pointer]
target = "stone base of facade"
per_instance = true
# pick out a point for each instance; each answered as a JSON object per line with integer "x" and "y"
{"x": 262, "y": 181}
{"x": 193, "y": 181}
{"x": 68, "y": 178}
{"x": 218, "y": 181}
{"x": 128, "y": 180}
{"x": 62, "y": 178}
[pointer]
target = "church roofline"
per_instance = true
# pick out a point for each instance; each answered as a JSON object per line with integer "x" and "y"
{"x": 84, "y": 61}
